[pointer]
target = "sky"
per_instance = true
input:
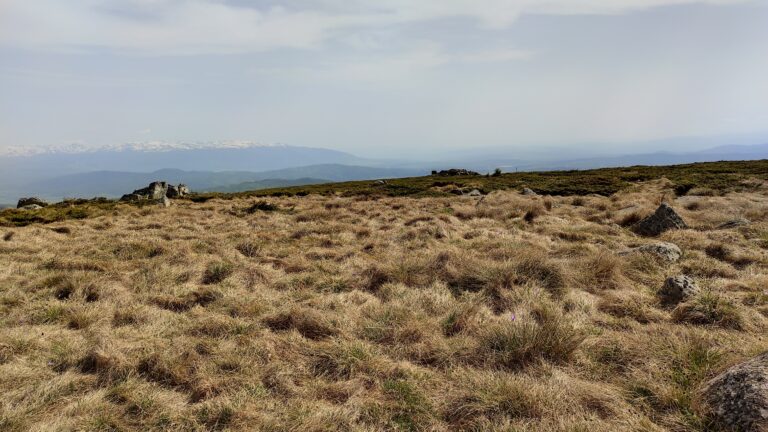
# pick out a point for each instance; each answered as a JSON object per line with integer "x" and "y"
{"x": 385, "y": 78}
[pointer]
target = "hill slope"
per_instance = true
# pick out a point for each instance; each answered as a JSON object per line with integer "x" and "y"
{"x": 379, "y": 313}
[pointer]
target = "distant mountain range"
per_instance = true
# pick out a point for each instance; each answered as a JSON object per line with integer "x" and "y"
{"x": 29, "y": 174}
{"x": 237, "y": 166}
{"x": 116, "y": 183}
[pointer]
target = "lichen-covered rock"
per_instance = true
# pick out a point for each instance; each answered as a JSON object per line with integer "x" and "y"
{"x": 24, "y": 202}
{"x": 667, "y": 251}
{"x": 737, "y": 399}
{"x": 664, "y": 219}
{"x": 677, "y": 289}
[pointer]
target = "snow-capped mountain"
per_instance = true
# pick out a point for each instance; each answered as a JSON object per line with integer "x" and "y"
{"x": 138, "y": 146}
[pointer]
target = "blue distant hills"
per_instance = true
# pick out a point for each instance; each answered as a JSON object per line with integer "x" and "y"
{"x": 114, "y": 172}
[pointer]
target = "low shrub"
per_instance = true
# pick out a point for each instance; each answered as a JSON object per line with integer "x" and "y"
{"x": 216, "y": 272}
{"x": 709, "y": 308}
{"x": 515, "y": 344}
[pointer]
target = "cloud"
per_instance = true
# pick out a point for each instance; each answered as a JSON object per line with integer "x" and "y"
{"x": 390, "y": 67}
{"x": 188, "y": 27}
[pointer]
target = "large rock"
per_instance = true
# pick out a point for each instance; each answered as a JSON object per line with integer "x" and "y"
{"x": 664, "y": 219}
{"x": 23, "y": 202}
{"x": 156, "y": 191}
{"x": 737, "y": 399}
{"x": 667, "y": 251}
{"x": 678, "y": 289}
{"x": 529, "y": 192}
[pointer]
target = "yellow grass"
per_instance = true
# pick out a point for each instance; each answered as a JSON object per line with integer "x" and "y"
{"x": 331, "y": 313}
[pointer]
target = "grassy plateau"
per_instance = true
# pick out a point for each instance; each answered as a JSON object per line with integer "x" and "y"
{"x": 399, "y": 306}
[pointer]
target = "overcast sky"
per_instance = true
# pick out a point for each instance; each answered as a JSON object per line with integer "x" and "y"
{"x": 381, "y": 77}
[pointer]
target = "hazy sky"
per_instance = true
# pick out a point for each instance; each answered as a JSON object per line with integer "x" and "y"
{"x": 381, "y": 77}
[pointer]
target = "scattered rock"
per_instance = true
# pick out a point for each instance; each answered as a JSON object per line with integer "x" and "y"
{"x": 529, "y": 192}
{"x": 156, "y": 191}
{"x": 24, "y": 202}
{"x": 454, "y": 172}
{"x": 664, "y": 219}
{"x": 734, "y": 223}
{"x": 31, "y": 207}
{"x": 380, "y": 182}
{"x": 737, "y": 399}
{"x": 678, "y": 289}
{"x": 474, "y": 193}
{"x": 667, "y": 251}
{"x": 164, "y": 202}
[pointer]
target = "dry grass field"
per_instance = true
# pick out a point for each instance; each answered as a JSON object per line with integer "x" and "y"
{"x": 323, "y": 313}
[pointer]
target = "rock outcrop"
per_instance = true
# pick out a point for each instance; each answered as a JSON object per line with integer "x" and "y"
{"x": 156, "y": 191}
{"x": 667, "y": 251}
{"x": 454, "y": 172}
{"x": 737, "y": 399}
{"x": 177, "y": 191}
{"x": 664, "y": 219}
{"x": 678, "y": 289}
{"x": 24, "y": 202}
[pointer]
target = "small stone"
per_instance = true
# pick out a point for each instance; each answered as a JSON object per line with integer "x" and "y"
{"x": 474, "y": 193}
{"x": 677, "y": 289}
{"x": 664, "y": 219}
{"x": 667, "y": 251}
{"x": 734, "y": 223}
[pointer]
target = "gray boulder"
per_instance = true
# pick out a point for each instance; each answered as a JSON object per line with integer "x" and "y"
{"x": 23, "y": 202}
{"x": 164, "y": 202}
{"x": 737, "y": 399}
{"x": 31, "y": 207}
{"x": 664, "y": 219}
{"x": 678, "y": 289}
{"x": 667, "y": 251}
{"x": 734, "y": 223}
{"x": 529, "y": 192}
